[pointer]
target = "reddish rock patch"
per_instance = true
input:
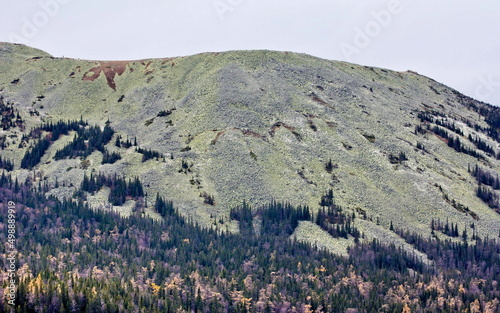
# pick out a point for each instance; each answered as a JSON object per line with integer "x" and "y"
{"x": 113, "y": 68}
{"x": 331, "y": 124}
{"x": 217, "y": 137}
{"x": 277, "y": 125}
{"x": 321, "y": 101}
{"x": 110, "y": 70}
{"x": 251, "y": 133}
{"x": 165, "y": 61}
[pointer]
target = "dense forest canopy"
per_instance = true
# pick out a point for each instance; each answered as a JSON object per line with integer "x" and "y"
{"x": 75, "y": 259}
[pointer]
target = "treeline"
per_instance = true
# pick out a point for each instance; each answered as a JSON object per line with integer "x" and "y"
{"x": 148, "y": 154}
{"x": 483, "y": 145}
{"x": 280, "y": 219}
{"x": 331, "y": 218}
{"x": 6, "y": 164}
{"x": 457, "y": 145}
{"x": 336, "y": 223}
{"x": 60, "y": 128}
{"x": 244, "y": 216}
{"x": 385, "y": 256}
{"x": 110, "y": 157}
{"x": 121, "y": 189}
{"x": 163, "y": 207}
{"x": 460, "y": 256}
{"x": 488, "y": 196}
{"x": 277, "y": 219}
{"x": 453, "y": 142}
{"x": 75, "y": 259}
{"x": 448, "y": 229}
{"x": 490, "y": 113}
{"x": 485, "y": 177}
{"x": 119, "y": 142}
{"x": 86, "y": 141}
{"x": 491, "y": 116}
{"x": 488, "y": 182}
{"x": 440, "y": 120}
{"x": 10, "y": 117}
{"x": 33, "y": 155}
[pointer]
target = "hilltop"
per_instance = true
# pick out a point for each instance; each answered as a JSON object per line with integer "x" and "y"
{"x": 259, "y": 126}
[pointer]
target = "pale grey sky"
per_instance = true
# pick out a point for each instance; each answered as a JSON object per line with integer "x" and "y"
{"x": 456, "y": 42}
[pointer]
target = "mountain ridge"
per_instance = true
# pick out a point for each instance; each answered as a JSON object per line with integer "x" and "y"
{"x": 259, "y": 126}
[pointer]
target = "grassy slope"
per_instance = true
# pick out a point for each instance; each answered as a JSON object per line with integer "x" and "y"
{"x": 241, "y": 95}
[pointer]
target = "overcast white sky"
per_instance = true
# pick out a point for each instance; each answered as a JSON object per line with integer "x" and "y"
{"x": 456, "y": 42}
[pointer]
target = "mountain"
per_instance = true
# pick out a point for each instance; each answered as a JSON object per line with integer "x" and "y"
{"x": 365, "y": 153}
{"x": 258, "y": 126}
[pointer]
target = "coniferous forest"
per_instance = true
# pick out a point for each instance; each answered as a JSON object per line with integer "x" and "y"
{"x": 401, "y": 174}
{"x": 74, "y": 259}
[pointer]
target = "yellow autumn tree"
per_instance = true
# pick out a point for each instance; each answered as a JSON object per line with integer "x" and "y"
{"x": 155, "y": 288}
{"x": 406, "y": 309}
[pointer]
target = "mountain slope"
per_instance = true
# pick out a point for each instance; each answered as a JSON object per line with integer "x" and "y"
{"x": 258, "y": 126}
